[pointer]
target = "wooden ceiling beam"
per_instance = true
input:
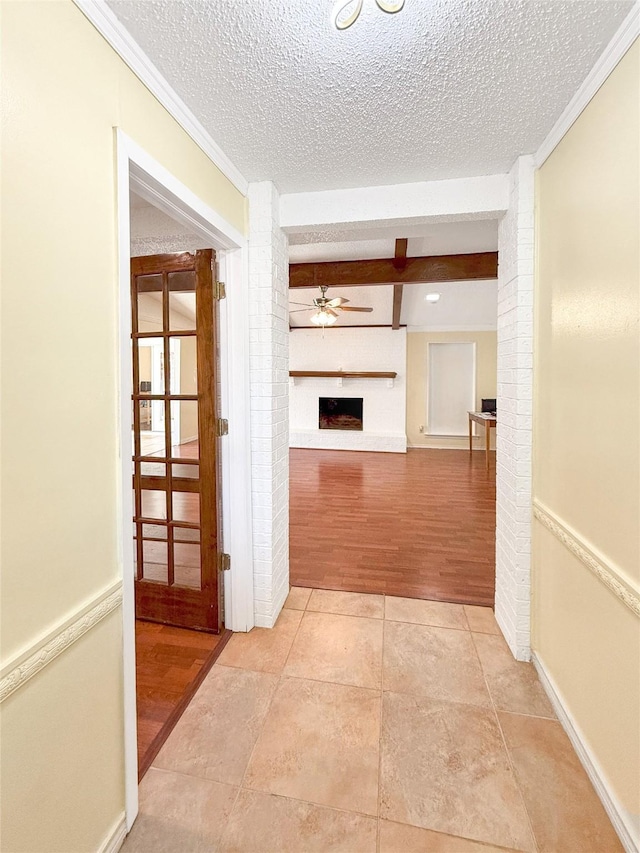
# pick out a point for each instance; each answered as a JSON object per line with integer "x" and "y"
{"x": 422, "y": 270}
{"x": 400, "y": 258}
{"x": 399, "y": 262}
{"x": 397, "y": 305}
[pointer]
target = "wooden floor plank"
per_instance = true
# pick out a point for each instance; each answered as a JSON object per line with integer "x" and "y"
{"x": 419, "y": 525}
{"x": 170, "y": 665}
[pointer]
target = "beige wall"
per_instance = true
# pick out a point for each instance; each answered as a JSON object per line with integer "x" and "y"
{"x": 64, "y": 91}
{"x": 587, "y": 425}
{"x": 417, "y": 376}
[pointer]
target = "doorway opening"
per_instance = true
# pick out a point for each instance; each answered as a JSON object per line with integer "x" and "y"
{"x": 407, "y": 495}
{"x": 177, "y": 533}
{"x": 184, "y": 502}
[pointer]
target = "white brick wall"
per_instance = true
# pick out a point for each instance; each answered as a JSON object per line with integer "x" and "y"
{"x": 269, "y": 376}
{"x": 384, "y": 400}
{"x": 514, "y": 401}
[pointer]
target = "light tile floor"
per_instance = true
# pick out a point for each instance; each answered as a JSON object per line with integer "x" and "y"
{"x": 365, "y": 724}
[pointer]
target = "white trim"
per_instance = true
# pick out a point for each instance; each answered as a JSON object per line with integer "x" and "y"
{"x": 622, "y": 820}
{"x": 237, "y": 519}
{"x": 123, "y": 492}
{"x": 624, "y": 37}
{"x": 115, "y": 839}
{"x": 609, "y": 574}
{"x": 108, "y": 25}
{"x": 30, "y": 661}
{"x": 150, "y": 180}
{"x": 136, "y": 168}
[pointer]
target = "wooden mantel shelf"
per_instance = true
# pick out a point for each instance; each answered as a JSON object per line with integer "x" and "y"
{"x": 345, "y": 374}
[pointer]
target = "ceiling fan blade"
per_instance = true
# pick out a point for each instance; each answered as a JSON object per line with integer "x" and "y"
{"x": 337, "y": 302}
{"x": 300, "y": 310}
{"x": 329, "y": 311}
{"x": 353, "y": 308}
{"x": 308, "y": 304}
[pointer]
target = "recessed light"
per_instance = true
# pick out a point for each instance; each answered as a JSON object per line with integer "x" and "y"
{"x": 432, "y": 297}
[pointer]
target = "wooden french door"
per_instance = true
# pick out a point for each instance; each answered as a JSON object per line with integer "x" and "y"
{"x": 175, "y": 461}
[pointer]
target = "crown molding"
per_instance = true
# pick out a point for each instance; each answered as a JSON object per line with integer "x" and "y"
{"x": 47, "y": 648}
{"x": 624, "y": 37}
{"x": 108, "y": 25}
{"x": 606, "y": 572}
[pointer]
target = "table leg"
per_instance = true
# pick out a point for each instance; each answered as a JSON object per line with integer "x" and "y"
{"x": 487, "y": 442}
{"x": 470, "y": 435}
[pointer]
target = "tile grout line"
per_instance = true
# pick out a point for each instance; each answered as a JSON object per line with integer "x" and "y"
{"x": 506, "y": 748}
{"x": 264, "y": 721}
{"x": 384, "y": 613}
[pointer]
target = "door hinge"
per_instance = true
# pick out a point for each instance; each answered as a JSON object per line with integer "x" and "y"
{"x": 222, "y": 427}
{"x": 219, "y": 290}
{"x": 224, "y": 562}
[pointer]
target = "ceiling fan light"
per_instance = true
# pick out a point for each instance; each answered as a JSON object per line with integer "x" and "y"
{"x": 323, "y": 318}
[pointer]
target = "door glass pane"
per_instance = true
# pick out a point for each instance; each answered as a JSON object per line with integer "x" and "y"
{"x": 188, "y": 472}
{"x": 153, "y": 469}
{"x": 186, "y": 507}
{"x": 183, "y": 364}
{"x": 155, "y": 563}
{"x": 180, "y": 534}
{"x": 184, "y": 428}
{"x": 186, "y": 565}
{"x": 152, "y": 440}
{"x": 182, "y": 311}
{"x": 149, "y": 289}
{"x": 150, "y": 366}
{"x": 154, "y": 503}
{"x": 154, "y": 531}
{"x": 182, "y": 281}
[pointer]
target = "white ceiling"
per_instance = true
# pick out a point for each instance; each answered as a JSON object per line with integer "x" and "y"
{"x": 462, "y": 305}
{"x": 443, "y": 238}
{"x": 445, "y": 88}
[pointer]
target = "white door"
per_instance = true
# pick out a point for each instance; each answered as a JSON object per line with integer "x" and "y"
{"x": 451, "y": 391}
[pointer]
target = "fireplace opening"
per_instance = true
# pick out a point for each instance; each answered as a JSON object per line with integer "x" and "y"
{"x": 340, "y": 413}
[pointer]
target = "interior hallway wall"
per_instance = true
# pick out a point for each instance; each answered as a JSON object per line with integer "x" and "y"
{"x": 514, "y": 401}
{"x": 269, "y": 376}
{"x": 418, "y": 377}
{"x": 586, "y": 554}
{"x": 64, "y": 91}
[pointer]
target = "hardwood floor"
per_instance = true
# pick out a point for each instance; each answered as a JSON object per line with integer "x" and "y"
{"x": 170, "y": 665}
{"x": 420, "y": 525}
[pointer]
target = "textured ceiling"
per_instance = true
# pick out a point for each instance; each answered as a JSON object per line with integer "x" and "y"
{"x": 442, "y": 238}
{"x": 445, "y": 88}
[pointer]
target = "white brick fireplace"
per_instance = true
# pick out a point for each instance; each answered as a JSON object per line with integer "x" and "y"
{"x": 384, "y": 400}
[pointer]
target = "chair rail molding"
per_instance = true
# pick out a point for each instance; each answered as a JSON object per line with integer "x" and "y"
{"x": 606, "y": 572}
{"x": 46, "y": 648}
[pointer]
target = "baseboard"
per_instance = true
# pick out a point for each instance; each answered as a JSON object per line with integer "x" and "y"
{"x": 622, "y": 821}
{"x": 115, "y": 839}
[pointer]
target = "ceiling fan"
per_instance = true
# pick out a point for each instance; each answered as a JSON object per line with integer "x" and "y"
{"x": 325, "y": 315}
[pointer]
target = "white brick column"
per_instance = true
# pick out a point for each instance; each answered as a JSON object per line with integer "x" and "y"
{"x": 269, "y": 367}
{"x": 515, "y": 384}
